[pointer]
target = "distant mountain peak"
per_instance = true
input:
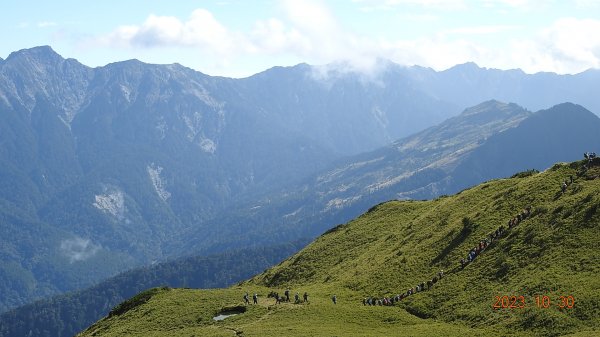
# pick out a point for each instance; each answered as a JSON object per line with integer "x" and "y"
{"x": 468, "y": 66}
{"x": 277, "y": 70}
{"x": 487, "y": 106}
{"x": 127, "y": 62}
{"x": 40, "y": 53}
{"x": 569, "y": 110}
{"x": 569, "y": 105}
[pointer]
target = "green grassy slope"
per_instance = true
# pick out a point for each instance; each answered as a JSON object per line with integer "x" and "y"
{"x": 395, "y": 246}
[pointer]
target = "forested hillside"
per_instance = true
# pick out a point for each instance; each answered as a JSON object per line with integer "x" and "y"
{"x": 108, "y": 168}
{"x": 66, "y": 315}
{"x": 532, "y": 237}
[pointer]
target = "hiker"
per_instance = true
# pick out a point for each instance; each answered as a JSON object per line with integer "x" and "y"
{"x": 334, "y": 299}
{"x": 246, "y": 300}
{"x": 287, "y": 295}
{"x": 255, "y": 298}
{"x": 297, "y": 298}
{"x": 563, "y": 187}
{"x": 305, "y": 296}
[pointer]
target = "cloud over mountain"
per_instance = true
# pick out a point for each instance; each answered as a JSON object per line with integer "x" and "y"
{"x": 311, "y": 31}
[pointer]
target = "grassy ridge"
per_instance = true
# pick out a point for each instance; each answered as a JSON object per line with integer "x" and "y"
{"x": 397, "y": 245}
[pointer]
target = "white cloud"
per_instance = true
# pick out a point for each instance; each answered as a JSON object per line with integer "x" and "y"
{"x": 200, "y": 30}
{"x": 570, "y": 45}
{"x": 587, "y": 3}
{"x": 435, "y": 52}
{"x": 78, "y": 249}
{"x": 308, "y": 31}
{"x": 272, "y": 36}
{"x": 316, "y": 31}
{"x": 323, "y": 40}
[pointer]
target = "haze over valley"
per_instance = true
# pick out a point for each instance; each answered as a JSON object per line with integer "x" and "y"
{"x": 214, "y": 151}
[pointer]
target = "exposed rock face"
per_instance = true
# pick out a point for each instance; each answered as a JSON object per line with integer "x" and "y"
{"x": 134, "y": 157}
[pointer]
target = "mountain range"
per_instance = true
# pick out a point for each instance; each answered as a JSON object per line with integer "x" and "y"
{"x": 104, "y": 169}
{"x": 531, "y": 270}
{"x": 488, "y": 141}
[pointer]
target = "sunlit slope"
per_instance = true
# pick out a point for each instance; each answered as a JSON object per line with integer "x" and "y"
{"x": 395, "y": 246}
{"x": 400, "y": 244}
{"x": 185, "y": 312}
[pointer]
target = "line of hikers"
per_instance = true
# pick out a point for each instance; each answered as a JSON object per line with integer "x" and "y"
{"x": 565, "y": 184}
{"x": 498, "y": 233}
{"x": 590, "y": 160}
{"x": 473, "y": 253}
{"x": 589, "y": 155}
{"x": 388, "y": 301}
{"x": 254, "y": 298}
{"x": 278, "y": 298}
{"x": 285, "y": 298}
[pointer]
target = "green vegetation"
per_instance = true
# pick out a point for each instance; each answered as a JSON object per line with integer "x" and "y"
{"x": 526, "y": 173}
{"x": 66, "y": 315}
{"x": 399, "y": 244}
{"x": 135, "y": 301}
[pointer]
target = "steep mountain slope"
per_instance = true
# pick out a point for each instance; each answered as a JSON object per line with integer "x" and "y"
{"x": 557, "y": 132}
{"x": 488, "y": 141}
{"x": 350, "y": 110}
{"x": 399, "y": 244}
{"x": 112, "y": 167}
{"x": 68, "y": 314}
{"x": 114, "y": 161}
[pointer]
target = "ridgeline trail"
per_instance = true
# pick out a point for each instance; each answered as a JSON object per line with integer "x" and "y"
{"x": 485, "y": 244}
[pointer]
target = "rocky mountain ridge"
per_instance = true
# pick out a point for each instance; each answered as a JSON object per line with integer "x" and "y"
{"x": 103, "y": 169}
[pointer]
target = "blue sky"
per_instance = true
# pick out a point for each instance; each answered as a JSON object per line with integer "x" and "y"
{"x": 240, "y": 38}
